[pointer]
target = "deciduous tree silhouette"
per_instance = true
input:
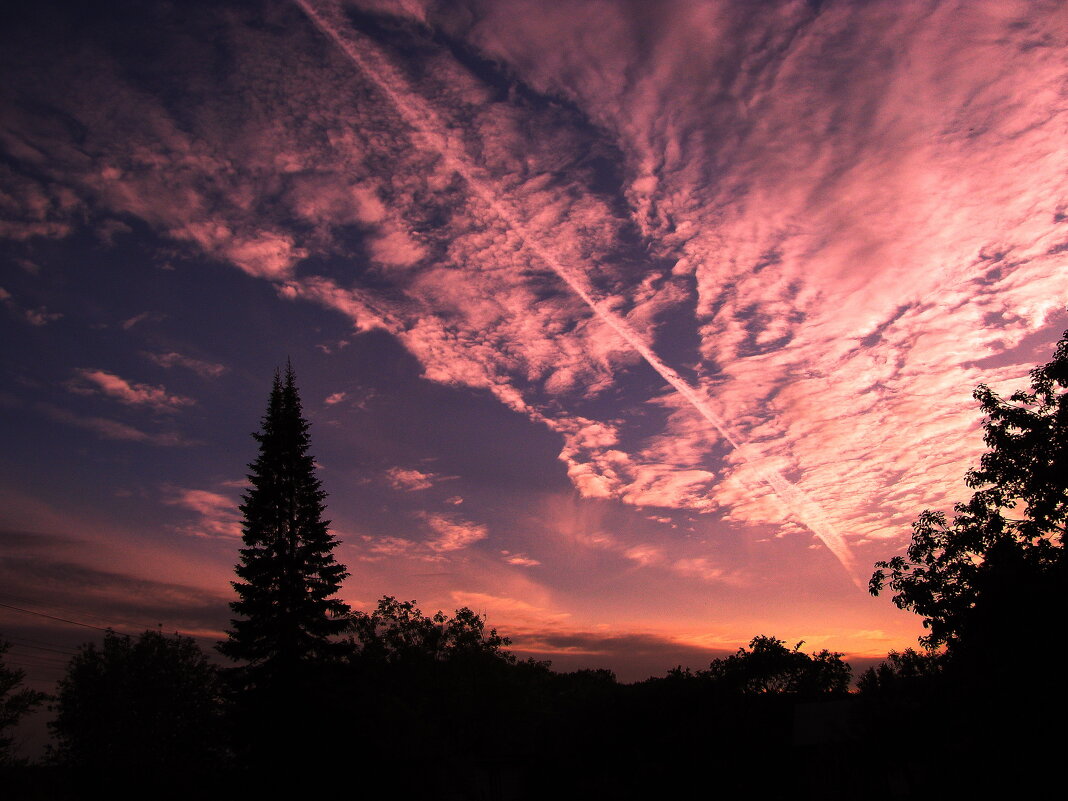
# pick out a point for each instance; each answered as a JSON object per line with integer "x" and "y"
{"x": 399, "y": 631}
{"x": 446, "y": 687}
{"x": 770, "y": 667}
{"x": 901, "y": 673}
{"x": 138, "y": 708}
{"x": 990, "y": 587}
{"x": 287, "y": 612}
{"x": 997, "y": 571}
{"x": 15, "y": 702}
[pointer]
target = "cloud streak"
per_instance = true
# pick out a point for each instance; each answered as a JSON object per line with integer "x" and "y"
{"x": 202, "y": 368}
{"x": 112, "y": 429}
{"x": 429, "y": 128}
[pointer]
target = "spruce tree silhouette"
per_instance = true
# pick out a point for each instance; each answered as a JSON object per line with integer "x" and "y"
{"x": 287, "y": 615}
{"x": 288, "y": 574}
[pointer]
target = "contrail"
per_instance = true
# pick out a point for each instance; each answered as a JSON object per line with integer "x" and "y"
{"x": 429, "y": 129}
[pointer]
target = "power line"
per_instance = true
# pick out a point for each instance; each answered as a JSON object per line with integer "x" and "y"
{"x": 64, "y": 620}
{"x": 112, "y": 629}
{"x": 21, "y": 661}
{"x": 18, "y": 639}
{"x": 41, "y": 648}
{"x": 157, "y": 626}
{"x": 49, "y": 607}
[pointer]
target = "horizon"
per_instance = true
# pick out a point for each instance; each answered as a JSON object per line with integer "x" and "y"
{"x": 641, "y": 330}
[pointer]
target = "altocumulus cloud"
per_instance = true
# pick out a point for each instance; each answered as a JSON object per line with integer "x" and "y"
{"x": 815, "y": 213}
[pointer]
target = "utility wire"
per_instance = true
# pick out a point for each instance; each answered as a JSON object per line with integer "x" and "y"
{"x": 18, "y": 639}
{"x": 21, "y": 662}
{"x": 48, "y": 607}
{"x": 64, "y": 620}
{"x": 41, "y": 648}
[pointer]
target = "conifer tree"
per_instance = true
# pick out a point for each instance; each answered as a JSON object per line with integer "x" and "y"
{"x": 288, "y": 575}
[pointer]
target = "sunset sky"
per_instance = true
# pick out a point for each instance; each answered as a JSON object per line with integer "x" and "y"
{"x": 641, "y": 327}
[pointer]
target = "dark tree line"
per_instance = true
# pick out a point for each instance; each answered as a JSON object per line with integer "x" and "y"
{"x": 395, "y": 701}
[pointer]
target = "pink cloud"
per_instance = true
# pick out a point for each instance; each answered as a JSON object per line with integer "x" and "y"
{"x": 391, "y": 546}
{"x": 217, "y": 514}
{"x": 875, "y": 225}
{"x": 39, "y": 316}
{"x": 519, "y": 559}
{"x": 699, "y": 567}
{"x": 514, "y": 609}
{"x": 410, "y": 480}
{"x": 644, "y": 555}
{"x": 361, "y": 307}
{"x": 397, "y": 248}
{"x": 323, "y": 199}
{"x": 112, "y": 386}
{"x": 261, "y": 254}
{"x": 817, "y": 292}
{"x": 199, "y": 366}
{"x": 454, "y": 534}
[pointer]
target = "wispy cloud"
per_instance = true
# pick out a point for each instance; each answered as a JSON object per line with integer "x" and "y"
{"x": 112, "y": 386}
{"x": 454, "y": 534}
{"x": 517, "y": 609}
{"x": 449, "y": 536}
{"x": 202, "y": 368}
{"x": 216, "y": 514}
{"x": 700, "y": 567}
{"x": 137, "y": 319}
{"x": 112, "y": 429}
{"x": 519, "y": 559}
{"x": 112, "y": 597}
{"x": 390, "y": 546}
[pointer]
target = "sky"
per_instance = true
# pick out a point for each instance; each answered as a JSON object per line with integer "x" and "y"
{"x": 640, "y": 328}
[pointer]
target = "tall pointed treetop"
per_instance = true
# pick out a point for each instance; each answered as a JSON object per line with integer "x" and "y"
{"x": 288, "y": 577}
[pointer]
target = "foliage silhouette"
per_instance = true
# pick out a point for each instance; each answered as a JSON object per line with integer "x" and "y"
{"x": 134, "y": 708}
{"x": 398, "y": 630}
{"x": 428, "y": 690}
{"x": 999, "y": 566}
{"x": 287, "y": 612}
{"x": 436, "y": 706}
{"x": 988, "y": 582}
{"x": 770, "y": 667}
{"x": 16, "y": 701}
{"x": 901, "y": 673}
